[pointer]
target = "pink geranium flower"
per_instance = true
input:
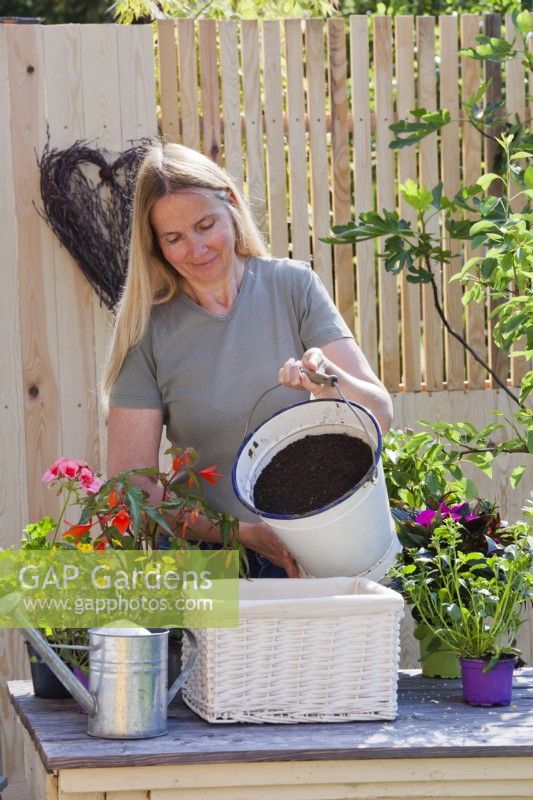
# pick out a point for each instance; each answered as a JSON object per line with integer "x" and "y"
{"x": 90, "y": 482}
{"x": 71, "y": 468}
{"x": 66, "y": 467}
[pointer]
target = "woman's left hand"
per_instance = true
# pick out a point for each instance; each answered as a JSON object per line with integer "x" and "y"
{"x": 291, "y": 373}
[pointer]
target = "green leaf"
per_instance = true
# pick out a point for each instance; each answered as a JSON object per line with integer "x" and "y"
{"x": 524, "y": 22}
{"x": 436, "y": 194}
{"x": 482, "y": 226}
{"x": 516, "y": 476}
{"x": 478, "y": 240}
{"x": 528, "y": 177}
{"x": 134, "y": 503}
{"x": 471, "y": 490}
{"x": 483, "y": 461}
{"x": 408, "y": 133}
{"x": 527, "y": 386}
{"x": 417, "y": 196}
{"x": 485, "y": 180}
{"x": 520, "y": 154}
{"x": 488, "y": 265}
{"x": 156, "y": 516}
{"x": 478, "y": 94}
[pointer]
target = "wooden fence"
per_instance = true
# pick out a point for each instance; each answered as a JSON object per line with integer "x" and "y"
{"x": 298, "y": 116}
{"x": 302, "y": 111}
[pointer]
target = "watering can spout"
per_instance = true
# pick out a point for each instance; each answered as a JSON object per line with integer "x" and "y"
{"x": 60, "y": 669}
{"x": 187, "y": 669}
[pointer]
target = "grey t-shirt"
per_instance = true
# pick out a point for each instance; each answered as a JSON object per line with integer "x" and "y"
{"x": 206, "y": 372}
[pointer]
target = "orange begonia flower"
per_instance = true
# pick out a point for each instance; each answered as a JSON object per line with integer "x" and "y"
{"x": 77, "y": 531}
{"x": 113, "y": 499}
{"x": 209, "y": 474}
{"x": 122, "y": 521}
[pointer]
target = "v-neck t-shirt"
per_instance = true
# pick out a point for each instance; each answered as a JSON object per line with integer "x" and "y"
{"x": 206, "y": 372}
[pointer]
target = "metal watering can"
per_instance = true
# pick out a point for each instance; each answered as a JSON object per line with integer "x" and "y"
{"x": 128, "y": 669}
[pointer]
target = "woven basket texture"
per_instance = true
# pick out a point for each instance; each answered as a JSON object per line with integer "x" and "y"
{"x": 318, "y": 650}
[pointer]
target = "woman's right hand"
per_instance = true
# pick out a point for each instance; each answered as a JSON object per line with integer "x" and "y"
{"x": 259, "y": 537}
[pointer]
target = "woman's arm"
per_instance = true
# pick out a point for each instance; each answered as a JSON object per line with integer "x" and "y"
{"x": 356, "y": 378}
{"x": 133, "y": 441}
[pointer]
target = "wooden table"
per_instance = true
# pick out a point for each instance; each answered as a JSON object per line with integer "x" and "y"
{"x": 438, "y": 747}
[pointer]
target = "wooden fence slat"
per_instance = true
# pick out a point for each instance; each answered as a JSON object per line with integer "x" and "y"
{"x": 136, "y": 74}
{"x": 343, "y": 254}
{"x": 138, "y": 118}
{"x": 36, "y": 278}
{"x": 13, "y": 482}
{"x": 499, "y": 362}
{"x": 168, "y": 79}
{"x": 207, "y": 31}
{"x": 231, "y": 105}
{"x": 429, "y": 177}
{"x": 136, "y": 87}
{"x": 318, "y": 150}
{"x": 410, "y": 293}
{"x": 275, "y": 141}
{"x": 188, "y": 83}
{"x": 13, "y": 479}
{"x": 515, "y": 102}
{"x": 75, "y": 324}
{"x": 102, "y": 120}
{"x": 450, "y": 156}
{"x": 255, "y": 169}
{"x": 388, "y": 284}
{"x": 475, "y": 313}
{"x": 363, "y": 197}
{"x": 299, "y": 193}
{"x": 101, "y": 97}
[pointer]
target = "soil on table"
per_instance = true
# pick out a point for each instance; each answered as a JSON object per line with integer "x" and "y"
{"x": 311, "y": 473}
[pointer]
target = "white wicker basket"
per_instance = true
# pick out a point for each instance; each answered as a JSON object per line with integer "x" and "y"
{"x": 317, "y": 650}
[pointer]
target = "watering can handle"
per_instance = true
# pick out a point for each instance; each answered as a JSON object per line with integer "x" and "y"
{"x": 186, "y": 671}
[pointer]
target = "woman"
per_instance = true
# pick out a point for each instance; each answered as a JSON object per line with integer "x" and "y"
{"x": 206, "y": 323}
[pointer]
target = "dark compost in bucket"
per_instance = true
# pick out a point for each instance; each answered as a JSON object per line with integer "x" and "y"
{"x": 311, "y": 473}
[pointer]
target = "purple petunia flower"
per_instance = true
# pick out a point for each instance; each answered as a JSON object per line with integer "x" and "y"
{"x": 425, "y": 517}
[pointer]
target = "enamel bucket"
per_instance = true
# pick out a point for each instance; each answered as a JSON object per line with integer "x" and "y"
{"x": 355, "y": 535}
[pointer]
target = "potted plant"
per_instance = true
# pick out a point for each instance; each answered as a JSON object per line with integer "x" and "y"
{"x": 469, "y": 601}
{"x": 71, "y": 645}
{"x": 117, "y": 514}
{"x": 478, "y": 524}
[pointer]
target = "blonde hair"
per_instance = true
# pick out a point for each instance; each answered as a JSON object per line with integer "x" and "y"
{"x": 165, "y": 169}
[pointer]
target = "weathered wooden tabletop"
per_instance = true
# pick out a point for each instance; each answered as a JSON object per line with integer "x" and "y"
{"x": 433, "y": 722}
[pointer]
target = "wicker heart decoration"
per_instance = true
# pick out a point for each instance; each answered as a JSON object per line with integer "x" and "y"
{"x": 86, "y": 201}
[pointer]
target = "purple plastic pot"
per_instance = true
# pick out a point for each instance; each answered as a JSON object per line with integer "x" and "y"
{"x": 491, "y": 688}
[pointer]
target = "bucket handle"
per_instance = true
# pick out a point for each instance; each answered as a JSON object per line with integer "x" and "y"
{"x": 330, "y": 380}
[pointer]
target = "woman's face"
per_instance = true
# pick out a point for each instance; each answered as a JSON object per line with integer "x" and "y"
{"x": 196, "y": 235}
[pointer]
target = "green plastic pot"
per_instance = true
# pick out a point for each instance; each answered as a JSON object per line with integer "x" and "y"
{"x": 439, "y": 663}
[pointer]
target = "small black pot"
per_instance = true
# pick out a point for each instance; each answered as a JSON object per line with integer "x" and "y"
{"x": 45, "y": 683}
{"x": 174, "y": 655}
